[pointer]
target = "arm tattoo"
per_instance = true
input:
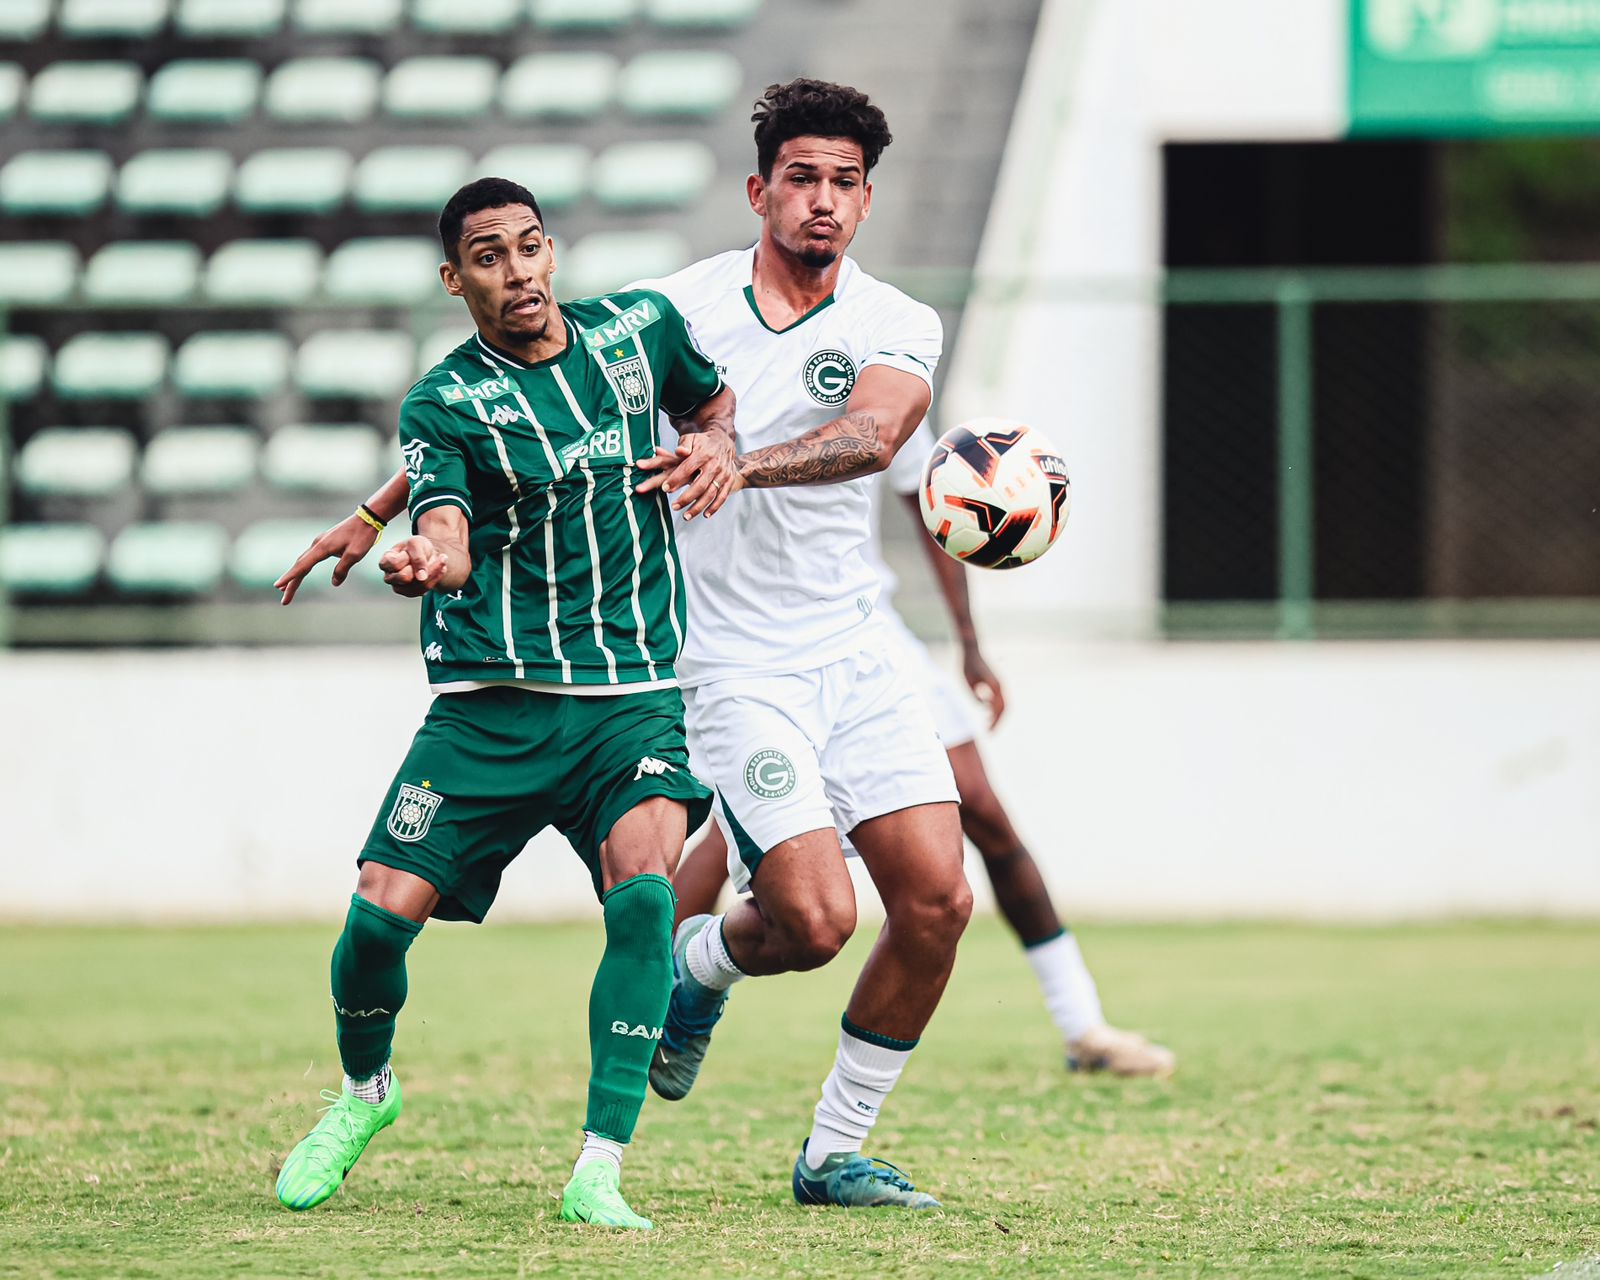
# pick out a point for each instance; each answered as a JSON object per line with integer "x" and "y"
{"x": 842, "y": 449}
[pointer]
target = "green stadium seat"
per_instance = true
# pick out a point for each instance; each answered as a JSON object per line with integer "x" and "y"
{"x": 354, "y": 364}
{"x": 607, "y": 260}
{"x": 292, "y": 180}
{"x": 156, "y": 271}
{"x": 230, "y": 17}
{"x": 204, "y": 90}
{"x": 283, "y": 272}
{"x": 192, "y": 181}
{"x": 438, "y": 88}
{"x": 323, "y": 90}
{"x": 40, "y": 272}
{"x": 723, "y": 14}
{"x": 110, "y": 366}
{"x": 696, "y": 83}
{"x": 653, "y": 175}
{"x": 187, "y": 461}
{"x": 235, "y": 365}
{"x": 559, "y": 86}
{"x": 268, "y": 547}
{"x": 557, "y": 173}
{"x": 23, "y": 361}
{"x": 347, "y": 17}
{"x": 65, "y": 182}
{"x": 393, "y": 270}
{"x": 177, "y": 557}
{"x": 76, "y": 462}
{"x": 409, "y": 179}
{"x": 480, "y": 18}
{"x": 12, "y": 81}
{"x": 319, "y": 458}
{"x": 125, "y": 18}
{"x": 583, "y": 15}
{"x": 50, "y": 559}
{"x": 440, "y": 343}
{"x": 85, "y": 92}
{"x": 23, "y": 19}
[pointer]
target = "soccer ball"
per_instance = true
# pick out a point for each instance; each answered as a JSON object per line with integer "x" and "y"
{"x": 995, "y": 493}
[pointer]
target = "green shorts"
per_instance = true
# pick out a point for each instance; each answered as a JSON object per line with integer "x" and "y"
{"x": 491, "y": 768}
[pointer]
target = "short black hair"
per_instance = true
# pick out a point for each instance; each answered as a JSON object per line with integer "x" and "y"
{"x": 483, "y": 193}
{"x": 815, "y": 108}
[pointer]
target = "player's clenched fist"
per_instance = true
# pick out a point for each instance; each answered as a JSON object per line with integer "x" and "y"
{"x": 413, "y": 567}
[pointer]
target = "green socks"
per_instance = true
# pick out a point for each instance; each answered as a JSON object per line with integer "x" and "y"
{"x": 628, "y": 1003}
{"x": 369, "y": 984}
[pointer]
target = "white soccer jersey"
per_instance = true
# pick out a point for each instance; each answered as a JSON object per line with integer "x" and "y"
{"x": 777, "y": 580}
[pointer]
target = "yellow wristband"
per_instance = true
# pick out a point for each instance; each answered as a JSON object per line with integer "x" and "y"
{"x": 366, "y": 517}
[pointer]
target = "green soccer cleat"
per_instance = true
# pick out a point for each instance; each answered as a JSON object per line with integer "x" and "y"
{"x": 691, "y": 1014}
{"x": 316, "y": 1168}
{"x": 855, "y": 1181}
{"x": 592, "y": 1196}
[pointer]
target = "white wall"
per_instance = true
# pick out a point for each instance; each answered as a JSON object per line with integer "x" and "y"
{"x": 1155, "y": 781}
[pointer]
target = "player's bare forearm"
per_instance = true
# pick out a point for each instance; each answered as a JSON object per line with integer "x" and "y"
{"x": 843, "y": 449}
{"x": 715, "y": 414}
{"x": 435, "y": 558}
{"x": 951, "y": 575}
{"x": 389, "y": 501}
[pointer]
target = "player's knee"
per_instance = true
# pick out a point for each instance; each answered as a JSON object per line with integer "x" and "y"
{"x": 939, "y": 910}
{"x": 819, "y": 934}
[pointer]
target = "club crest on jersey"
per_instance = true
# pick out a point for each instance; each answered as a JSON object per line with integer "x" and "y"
{"x": 626, "y": 323}
{"x": 412, "y": 813}
{"x": 628, "y": 380}
{"x": 488, "y": 389}
{"x": 829, "y": 377}
{"x": 769, "y": 775}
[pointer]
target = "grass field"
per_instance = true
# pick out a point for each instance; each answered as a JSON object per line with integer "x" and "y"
{"x": 1386, "y": 1102}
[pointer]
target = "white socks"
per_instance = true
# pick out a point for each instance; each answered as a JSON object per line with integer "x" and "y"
{"x": 709, "y": 962}
{"x": 597, "y": 1148}
{"x": 372, "y": 1091}
{"x": 862, "y": 1075}
{"x": 1069, "y": 991}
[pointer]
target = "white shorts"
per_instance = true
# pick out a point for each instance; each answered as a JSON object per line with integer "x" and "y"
{"x": 813, "y": 750}
{"x": 951, "y": 707}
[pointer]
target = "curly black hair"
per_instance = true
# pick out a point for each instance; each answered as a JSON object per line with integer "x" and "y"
{"x": 483, "y": 193}
{"x": 814, "y": 108}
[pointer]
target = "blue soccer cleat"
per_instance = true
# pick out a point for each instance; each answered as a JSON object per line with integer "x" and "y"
{"x": 856, "y": 1181}
{"x": 691, "y": 1014}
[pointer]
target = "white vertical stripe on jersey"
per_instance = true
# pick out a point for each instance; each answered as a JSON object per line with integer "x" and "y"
{"x": 512, "y": 536}
{"x": 594, "y": 569}
{"x": 633, "y": 529}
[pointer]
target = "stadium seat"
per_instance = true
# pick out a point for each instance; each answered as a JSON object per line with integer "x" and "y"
{"x": 232, "y": 365}
{"x": 156, "y": 271}
{"x": 37, "y": 272}
{"x": 192, "y": 181}
{"x": 436, "y": 88}
{"x": 65, "y": 182}
{"x": 323, "y": 459}
{"x": 85, "y": 92}
{"x": 610, "y": 259}
{"x": 292, "y": 180}
{"x": 23, "y": 361}
{"x": 76, "y": 462}
{"x": 50, "y": 559}
{"x": 12, "y": 81}
{"x": 354, "y": 364}
{"x": 110, "y": 366}
{"x": 23, "y": 19}
{"x": 557, "y": 174}
{"x": 204, "y": 90}
{"x": 565, "y": 86}
{"x": 180, "y": 557}
{"x": 268, "y": 547}
{"x": 587, "y": 15}
{"x": 701, "y": 13}
{"x": 347, "y": 17}
{"x": 680, "y": 83}
{"x": 409, "y": 179}
{"x": 230, "y": 17}
{"x": 394, "y": 270}
{"x": 440, "y": 343}
{"x": 187, "y": 461}
{"x": 125, "y": 18}
{"x": 480, "y": 18}
{"x": 653, "y": 175}
{"x": 323, "y": 90}
{"x": 284, "y": 272}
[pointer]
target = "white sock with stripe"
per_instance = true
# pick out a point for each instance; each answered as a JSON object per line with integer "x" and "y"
{"x": 709, "y": 962}
{"x": 864, "y": 1071}
{"x": 1069, "y": 991}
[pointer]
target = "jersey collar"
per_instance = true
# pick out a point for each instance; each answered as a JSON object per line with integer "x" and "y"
{"x": 489, "y": 349}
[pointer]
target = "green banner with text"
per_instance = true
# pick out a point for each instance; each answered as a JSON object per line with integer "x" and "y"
{"x": 1474, "y": 66}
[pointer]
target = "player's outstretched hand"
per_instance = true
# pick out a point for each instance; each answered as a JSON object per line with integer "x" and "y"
{"x": 412, "y": 567}
{"x": 349, "y": 540}
{"x": 703, "y": 472}
{"x": 984, "y": 684}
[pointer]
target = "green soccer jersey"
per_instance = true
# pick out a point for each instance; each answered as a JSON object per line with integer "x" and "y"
{"x": 575, "y": 577}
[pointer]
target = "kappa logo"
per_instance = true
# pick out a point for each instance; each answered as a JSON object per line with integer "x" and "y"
{"x": 488, "y": 389}
{"x": 627, "y": 323}
{"x": 411, "y": 451}
{"x": 641, "y": 1031}
{"x": 413, "y": 813}
{"x": 829, "y": 377}
{"x": 629, "y": 379}
{"x": 433, "y": 652}
{"x": 652, "y": 768}
{"x": 769, "y": 775}
{"x": 504, "y": 415}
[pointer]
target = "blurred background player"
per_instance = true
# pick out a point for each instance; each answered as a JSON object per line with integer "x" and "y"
{"x": 1069, "y": 989}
